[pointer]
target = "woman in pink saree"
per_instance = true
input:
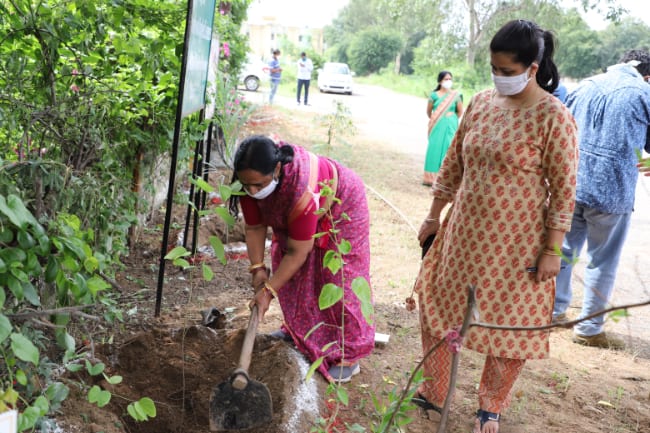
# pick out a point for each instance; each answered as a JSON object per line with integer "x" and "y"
{"x": 282, "y": 184}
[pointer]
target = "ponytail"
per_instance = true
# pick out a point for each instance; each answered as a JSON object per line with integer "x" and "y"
{"x": 548, "y": 76}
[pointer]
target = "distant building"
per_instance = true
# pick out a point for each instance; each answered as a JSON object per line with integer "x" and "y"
{"x": 300, "y": 22}
{"x": 266, "y": 35}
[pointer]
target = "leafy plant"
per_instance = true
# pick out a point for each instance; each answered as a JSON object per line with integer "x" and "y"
{"x": 51, "y": 273}
{"x": 330, "y": 295}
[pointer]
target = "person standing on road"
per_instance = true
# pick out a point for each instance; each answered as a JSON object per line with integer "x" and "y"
{"x": 612, "y": 111}
{"x": 305, "y": 67}
{"x": 276, "y": 73}
{"x": 444, "y": 108}
{"x": 283, "y": 185}
{"x": 510, "y": 174}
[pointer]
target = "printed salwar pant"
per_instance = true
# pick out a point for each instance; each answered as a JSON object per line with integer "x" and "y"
{"x": 495, "y": 390}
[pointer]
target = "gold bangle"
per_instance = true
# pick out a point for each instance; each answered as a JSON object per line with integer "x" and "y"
{"x": 550, "y": 253}
{"x": 431, "y": 220}
{"x": 251, "y": 268}
{"x": 269, "y": 289}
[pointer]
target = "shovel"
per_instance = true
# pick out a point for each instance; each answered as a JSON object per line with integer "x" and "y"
{"x": 241, "y": 403}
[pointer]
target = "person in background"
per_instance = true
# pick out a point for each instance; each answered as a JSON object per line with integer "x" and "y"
{"x": 305, "y": 67}
{"x": 510, "y": 176}
{"x": 283, "y": 184}
{"x": 561, "y": 92}
{"x": 444, "y": 108}
{"x": 276, "y": 73}
{"x": 612, "y": 111}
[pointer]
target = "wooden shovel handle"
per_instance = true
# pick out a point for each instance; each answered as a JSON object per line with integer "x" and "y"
{"x": 241, "y": 379}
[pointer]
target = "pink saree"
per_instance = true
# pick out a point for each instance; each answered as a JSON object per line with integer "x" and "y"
{"x": 299, "y": 297}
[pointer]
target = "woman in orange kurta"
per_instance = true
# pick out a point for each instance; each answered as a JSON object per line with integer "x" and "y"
{"x": 510, "y": 174}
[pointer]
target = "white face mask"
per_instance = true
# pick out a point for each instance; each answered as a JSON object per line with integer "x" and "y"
{"x": 511, "y": 85}
{"x": 446, "y": 84}
{"x": 264, "y": 192}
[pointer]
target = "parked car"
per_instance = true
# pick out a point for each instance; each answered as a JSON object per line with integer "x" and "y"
{"x": 252, "y": 73}
{"x": 335, "y": 77}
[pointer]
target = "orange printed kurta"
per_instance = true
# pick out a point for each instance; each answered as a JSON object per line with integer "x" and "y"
{"x": 510, "y": 173}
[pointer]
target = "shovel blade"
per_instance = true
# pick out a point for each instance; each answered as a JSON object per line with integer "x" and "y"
{"x": 234, "y": 409}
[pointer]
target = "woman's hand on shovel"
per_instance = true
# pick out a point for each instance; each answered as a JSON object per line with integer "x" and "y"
{"x": 263, "y": 299}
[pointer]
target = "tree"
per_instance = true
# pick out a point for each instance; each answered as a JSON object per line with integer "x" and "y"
{"x": 483, "y": 14}
{"x": 578, "y": 51}
{"x": 372, "y": 50}
{"x": 617, "y": 38}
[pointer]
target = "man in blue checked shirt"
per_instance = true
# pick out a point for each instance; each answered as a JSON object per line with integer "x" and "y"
{"x": 612, "y": 111}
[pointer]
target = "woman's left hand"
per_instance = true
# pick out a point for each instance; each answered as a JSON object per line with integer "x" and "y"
{"x": 548, "y": 266}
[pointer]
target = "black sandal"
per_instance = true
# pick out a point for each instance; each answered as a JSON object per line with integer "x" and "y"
{"x": 484, "y": 416}
{"x": 425, "y": 404}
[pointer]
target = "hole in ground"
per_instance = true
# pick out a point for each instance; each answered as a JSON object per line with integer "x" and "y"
{"x": 179, "y": 369}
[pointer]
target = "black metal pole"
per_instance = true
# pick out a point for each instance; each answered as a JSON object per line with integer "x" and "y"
{"x": 174, "y": 157}
{"x": 197, "y": 199}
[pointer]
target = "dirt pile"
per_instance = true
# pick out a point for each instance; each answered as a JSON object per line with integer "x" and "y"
{"x": 178, "y": 369}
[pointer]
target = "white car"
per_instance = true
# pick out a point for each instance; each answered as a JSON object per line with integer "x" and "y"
{"x": 335, "y": 77}
{"x": 252, "y": 73}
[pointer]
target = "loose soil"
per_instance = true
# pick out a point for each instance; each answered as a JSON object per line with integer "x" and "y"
{"x": 177, "y": 360}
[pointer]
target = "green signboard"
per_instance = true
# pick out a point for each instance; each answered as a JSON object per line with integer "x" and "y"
{"x": 199, "y": 25}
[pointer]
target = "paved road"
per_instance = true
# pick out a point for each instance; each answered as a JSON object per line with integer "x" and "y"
{"x": 400, "y": 121}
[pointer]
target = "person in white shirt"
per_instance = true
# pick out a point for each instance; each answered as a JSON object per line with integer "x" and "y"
{"x": 305, "y": 66}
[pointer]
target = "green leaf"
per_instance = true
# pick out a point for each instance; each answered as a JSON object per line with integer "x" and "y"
{"x": 225, "y": 215}
{"x": 96, "y": 369}
{"x": 21, "y": 377}
{"x": 5, "y": 327}
{"x": 28, "y": 418}
{"x": 113, "y": 380}
{"x": 24, "y": 349}
{"x": 15, "y": 287}
{"x": 225, "y": 192}
{"x": 142, "y": 409}
{"x": 313, "y": 329}
{"x": 218, "y": 248}
{"x": 361, "y": 289}
{"x": 332, "y": 261}
{"x": 99, "y": 396}
{"x": 345, "y": 247}
{"x": 18, "y": 207}
{"x": 617, "y": 315}
{"x": 208, "y": 275}
{"x": 30, "y": 293}
{"x": 51, "y": 269}
{"x": 9, "y": 213}
{"x": 202, "y": 184}
{"x": 176, "y": 253}
{"x": 6, "y": 235}
{"x": 329, "y": 295}
{"x": 25, "y": 240}
{"x": 65, "y": 340}
{"x": 182, "y": 263}
{"x": 313, "y": 367}
{"x": 56, "y": 392}
{"x": 97, "y": 284}
{"x": 91, "y": 264}
{"x": 342, "y": 395}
